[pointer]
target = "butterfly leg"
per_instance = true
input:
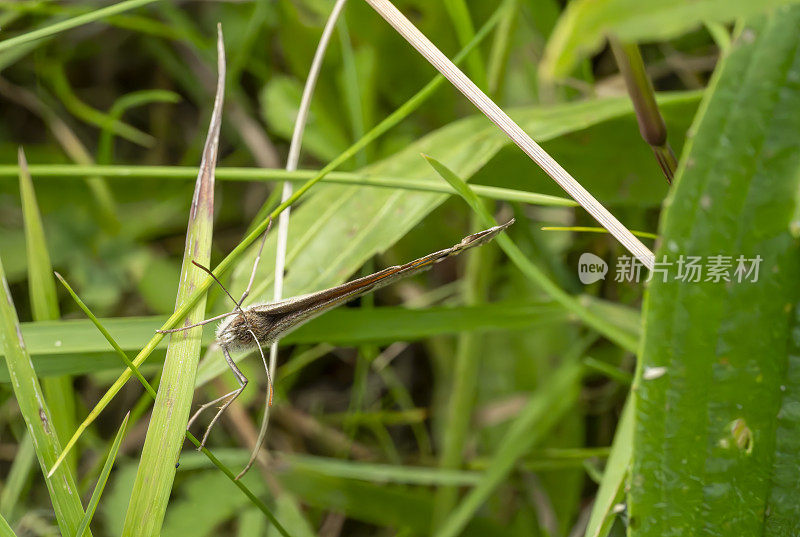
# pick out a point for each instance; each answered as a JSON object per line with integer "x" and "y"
{"x": 228, "y": 398}
{"x": 201, "y": 323}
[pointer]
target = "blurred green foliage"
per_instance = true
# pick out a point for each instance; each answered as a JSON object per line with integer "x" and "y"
{"x": 136, "y": 89}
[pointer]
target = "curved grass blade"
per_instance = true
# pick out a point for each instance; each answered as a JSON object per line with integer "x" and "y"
{"x": 90, "y": 115}
{"x": 130, "y": 100}
{"x": 167, "y": 428}
{"x": 533, "y": 272}
{"x": 283, "y": 221}
{"x": 61, "y": 485}
{"x": 74, "y": 22}
{"x": 91, "y": 507}
{"x": 58, "y": 391}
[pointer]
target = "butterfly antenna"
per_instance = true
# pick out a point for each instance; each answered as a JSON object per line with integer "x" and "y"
{"x": 255, "y": 263}
{"x": 207, "y": 271}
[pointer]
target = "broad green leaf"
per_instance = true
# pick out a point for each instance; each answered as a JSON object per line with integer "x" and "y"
{"x": 338, "y": 228}
{"x": 585, "y": 23}
{"x": 76, "y": 347}
{"x": 717, "y": 388}
{"x": 388, "y": 325}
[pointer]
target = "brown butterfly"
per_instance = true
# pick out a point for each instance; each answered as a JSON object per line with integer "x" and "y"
{"x": 261, "y": 324}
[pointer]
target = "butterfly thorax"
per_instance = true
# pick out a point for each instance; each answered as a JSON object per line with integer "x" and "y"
{"x": 239, "y": 332}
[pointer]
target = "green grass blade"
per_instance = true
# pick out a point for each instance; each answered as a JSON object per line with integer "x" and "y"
{"x": 596, "y": 229}
{"x": 609, "y": 330}
{"x": 17, "y": 476}
{"x": 167, "y": 428}
{"x": 585, "y": 23}
{"x": 612, "y": 486}
{"x": 61, "y": 486}
{"x": 501, "y": 46}
{"x": 720, "y": 34}
{"x": 380, "y": 473}
{"x": 5, "y": 529}
{"x": 291, "y": 513}
{"x": 393, "y": 506}
{"x": 540, "y": 414}
{"x": 58, "y": 391}
{"x": 268, "y": 174}
{"x": 353, "y": 88}
{"x": 42, "y": 287}
{"x": 107, "y": 335}
{"x": 91, "y": 507}
{"x": 716, "y": 444}
{"x": 72, "y": 23}
{"x": 250, "y": 523}
{"x": 614, "y": 373}
{"x": 462, "y": 22}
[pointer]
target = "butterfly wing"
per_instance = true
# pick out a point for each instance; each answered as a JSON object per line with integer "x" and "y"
{"x": 288, "y": 314}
